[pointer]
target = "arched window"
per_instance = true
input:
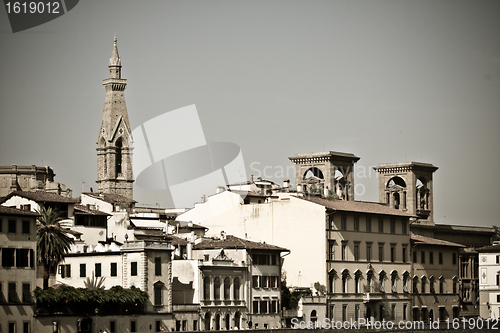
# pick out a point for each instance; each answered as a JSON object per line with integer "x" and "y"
{"x": 431, "y": 285}
{"x": 345, "y": 277}
{"x": 415, "y": 285}
{"x": 441, "y": 285}
{"x": 217, "y": 288}
{"x": 206, "y": 288}
{"x": 357, "y": 279}
{"x": 382, "y": 277}
{"x": 314, "y": 316}
{"x": 118, "y": 158}
{"x": 227, "y": 288}
{"x": 236, "y": 289}
{"x": 405, "y": 281}
{"x": 423, "y": 281}
{"x": 394, "y": 277}
{"x": 369, "y": 280}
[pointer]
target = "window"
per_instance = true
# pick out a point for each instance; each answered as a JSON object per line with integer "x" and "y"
{"x": 415, "y": 285}
{"x": 393, "y": 227}
{"x": 394, "y": 277}
{"x": 356, "y": 312}
{"x": 113, "y": 269}
{"x": 157, "y": 266}
{"x": 274, "y": 306}
{"x": 83, "y": 270}
{"x": 255, "y": 281}
{"x": 236, "y": 289}
{"x": 441, "y": 285}
{"x": 431, "y": 285}
{"x": 424, "y": 285}
{"x": 26, "y": 293}
{"x": 343, "y": 223}
{"x": 26, "y": 227}
{"x": 264, "y": 281}
{"x": 158, "y": 294}
{"x": 158, "y": 326}
{"x": 431, "y": 257}
{"x": 274, "y": 260}
{"x": 217, "y": 288}
{"x": 8, "y": 259}
{"x": 381, "y": 226}
{"x": 422, "y": 257}
{"x": 440, "y": 258}
{"x": 356, "y": 223}
{"x": 206, "y": 288}
{"x": 382, "y": 278}
{"x": 356, "y": 251}
{"x": 368, "y": 224}
{"x": 405, "y": 282}
{"x": 393, "y": 311}
{"x": 227, "y": 288}
{"x": 65, "y": 271}
{"x": 331, "y": 249}
{"x": 133, "y": 268}
{"x": 264, "y": 307}
{"x": 133, "y": 326}
{"x": 22, "y": 258}
{"x": 357, "y": 277}
{"x": 369, "y": 279}
{"x": 344, "y": 312}
{"x": 12, "y": 226}
{"x": 393, "y": 252}
{"x": 195, "y": 325}
{"x": 12, "y": 296}
{"x": 345, "y": 275}
{"x": 380, "y": 251}
{"x": 12, "y": 327}
{"x": 255, "y": 306}
{"x": 414, "y": 257}
{"x": 344, "y": 250}
{"x": 26, "y": 327}
{"x": 404, "y": 253}
{"x": 454, "y": 259}
{"x": 368, "y": 251}
{"x": 455, "y": 285}
{"x": 98, "y": 270}
{"x": 498, "y": 259}
{"x": 330, "y": 222}
{"x": 112, "y": 326}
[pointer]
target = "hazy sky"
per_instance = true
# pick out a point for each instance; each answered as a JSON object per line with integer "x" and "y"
{"x": 389, "y": 81}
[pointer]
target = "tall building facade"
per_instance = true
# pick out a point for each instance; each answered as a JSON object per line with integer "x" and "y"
{"x": 114, "y": 141}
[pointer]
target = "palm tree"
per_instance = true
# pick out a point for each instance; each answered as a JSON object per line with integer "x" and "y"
{"x": 52, "y": 241}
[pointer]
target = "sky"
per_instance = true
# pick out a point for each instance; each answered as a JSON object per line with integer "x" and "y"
{"x": 389, "y": 81}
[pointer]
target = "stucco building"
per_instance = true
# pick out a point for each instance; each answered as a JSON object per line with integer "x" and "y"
{"x": 489, "y": 281}
{"x": 17, "y": 269}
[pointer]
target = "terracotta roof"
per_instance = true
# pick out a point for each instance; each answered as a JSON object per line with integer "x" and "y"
{"x": 357, "y": 206}
{"x": 174, "y": 240}
{"x": 489, "y": 248}
{"x": 109, "y": 197}
{"x": 41, "y": 196}
{"x": 14, "y": 211}
{"x": 418, "y": 239}
{"x": 84, "y": 210}
{"x": 232, "y": 242}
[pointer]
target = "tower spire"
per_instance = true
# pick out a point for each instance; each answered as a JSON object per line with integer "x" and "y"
{"x": 114, "y": 141}
{"x": 115, "y": 58}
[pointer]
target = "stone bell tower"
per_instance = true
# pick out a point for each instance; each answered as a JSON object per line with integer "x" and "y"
{"x": 114, "y": 142}
{"x": 408, "y": 186}
{"x": 325, "y": 173}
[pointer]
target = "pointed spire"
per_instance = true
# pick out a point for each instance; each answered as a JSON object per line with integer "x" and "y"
{"x": 115, "y": 58}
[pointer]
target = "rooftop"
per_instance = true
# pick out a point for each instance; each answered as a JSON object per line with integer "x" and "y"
{"x": 41, "y": 196}
{"x": 357, "y": 206}
{"x": 418, "y": 239}
{"x": 14, "y": 211}
{"x": 233, "y": 242}
{"x": 84, "y": 210}
{"x": 110, "y": 197}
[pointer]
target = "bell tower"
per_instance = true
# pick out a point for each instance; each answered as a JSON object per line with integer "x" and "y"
{"x": 114, "y": 141}
{"x": 408, "y": 187}
{"x": 325, "y": 173}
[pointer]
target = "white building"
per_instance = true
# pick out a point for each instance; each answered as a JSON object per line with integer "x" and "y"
{"x": 489, "y": 281}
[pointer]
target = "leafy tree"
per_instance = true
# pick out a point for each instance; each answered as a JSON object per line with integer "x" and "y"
{"x": 320, "y": 288}
{"x": 94, "y": 283}
{"x": 52, "y": 241}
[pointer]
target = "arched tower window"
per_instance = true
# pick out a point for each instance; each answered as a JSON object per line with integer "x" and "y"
{"x": 396, "y": 193}
{"x": 118, "y": 158}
